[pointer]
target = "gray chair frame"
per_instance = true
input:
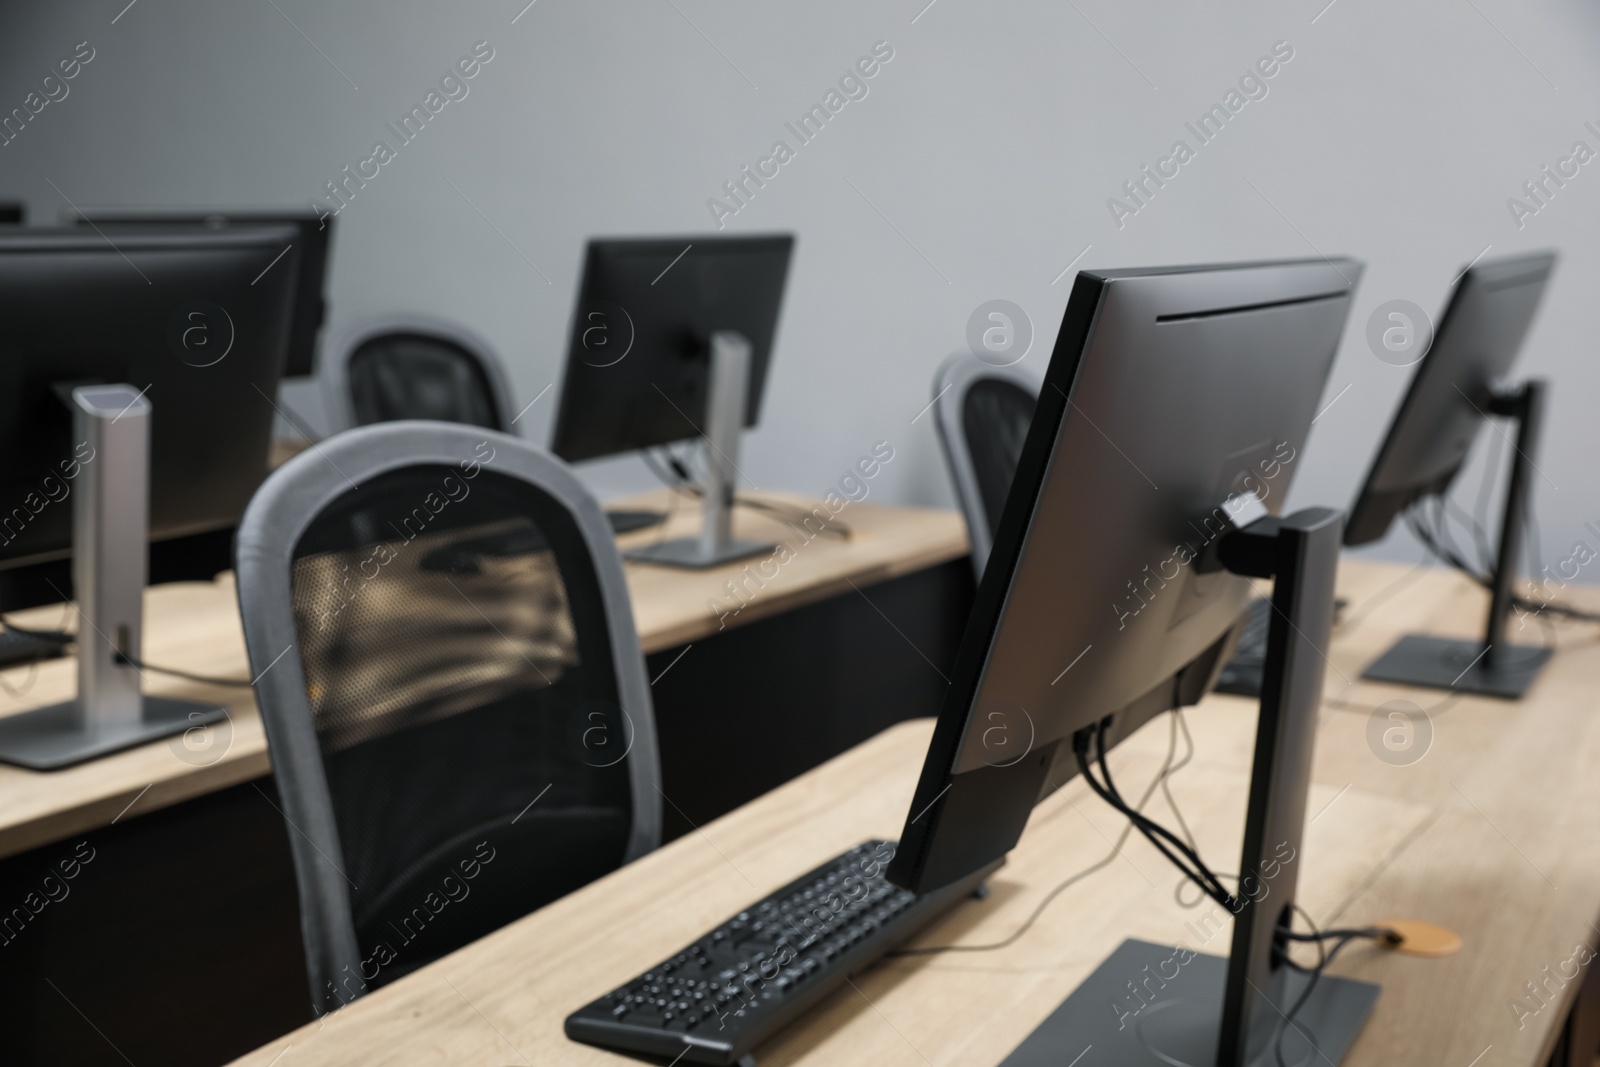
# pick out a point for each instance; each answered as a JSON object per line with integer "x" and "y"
{"x": 273, "y": 523}
{"x": 951, "y": 382}
{"x": 334, "y": 367}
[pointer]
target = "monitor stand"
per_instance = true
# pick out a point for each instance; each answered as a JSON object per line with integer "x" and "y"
{"x": 1166, "y": 1004}
{"x": 110, "y": 524}
{"x": 725, "y": 403}
{"x": 1491, "y": 666}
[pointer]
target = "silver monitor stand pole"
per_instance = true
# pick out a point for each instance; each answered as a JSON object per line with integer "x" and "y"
{"x": 730, "y": 375}
{"x": 110, "y": 529}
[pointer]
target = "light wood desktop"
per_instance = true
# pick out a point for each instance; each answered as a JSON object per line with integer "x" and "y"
{"x": 195, "y": 627}
{"x": 1495, "y": 832}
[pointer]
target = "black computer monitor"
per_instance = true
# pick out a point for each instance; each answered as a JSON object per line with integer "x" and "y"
{"x": 1174, "y": 411}
{"x": 313, "y": 241}
{"x": 1459, "y": 385}
{"x": 188, "y": 317}
{"x": 1446, "y": 406}
{"x": 638, "y": 358}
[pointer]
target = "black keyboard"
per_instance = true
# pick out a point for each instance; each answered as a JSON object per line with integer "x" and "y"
{"x": 739, "y": 984}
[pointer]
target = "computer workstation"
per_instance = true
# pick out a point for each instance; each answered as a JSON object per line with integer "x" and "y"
{"x": 142, "y": 805}
{"x": 1459, "y": 387}
{"x": 670, "y": 341}
{"x": 924, "y": 909}
{"x": 1079, "y": 636}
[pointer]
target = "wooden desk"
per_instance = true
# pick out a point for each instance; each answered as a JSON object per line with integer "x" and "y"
{"x": 195, "y": 627}
{"x": 1495, "y": 831}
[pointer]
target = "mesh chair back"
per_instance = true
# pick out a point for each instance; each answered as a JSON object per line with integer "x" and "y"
{"x": 983, "y": 418}
{"x": 460, "y": 724}
{"x": 413, "y": 368}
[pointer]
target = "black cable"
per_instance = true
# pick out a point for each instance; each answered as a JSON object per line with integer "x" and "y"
{"x": 677, "y": 478}
{"x": 1154, "y": 832}
{"x": 1168, "y": 768}
{"x": 1437, "y": 542}
{"x": 669, "y": 479}
{"x": 1441, "y": 533}
{"x": 139, "y": 664}
{"x": 61, "y": 637}
{"x": 1325, "y": 957}
{"x": 1417, "y": 522}
{"x": 1378, "y": 933}
{"x": 65, "y": 638}
{"x": 679, "y": 467}
{"x": 1208, "y": 881}
{"x": 835, "y": 529}
{"x": 1480, "y": 508}
{"x": 1220, "y": 894}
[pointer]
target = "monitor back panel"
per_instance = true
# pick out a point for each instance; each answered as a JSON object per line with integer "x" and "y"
{"x": 1445, "y": 407}
{"x": 638, "y": 364}
{"x": 174, "y": 315}
{"x": 1169, "y": 394}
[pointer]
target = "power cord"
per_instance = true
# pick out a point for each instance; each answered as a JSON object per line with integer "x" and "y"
{"x": 1090, "y": 748}
{"x": 1325, "y": 957}
{"x": 203, "y": 679}
{"x": 60, "y": 637}
{"x": 1161, "y": 780}
{"x": 676, "y": 477}
{"x": 1436, "y": 539}
{"x": 63, "y": 637}
{"x": 1437, "y": 544}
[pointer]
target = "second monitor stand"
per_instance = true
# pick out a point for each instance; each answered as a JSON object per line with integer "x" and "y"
{"x": 110, "y": 524}
{"x": 1171, "y": 1004}
{"x": 1492, "y": 666}
{"x": 725, "y": 402}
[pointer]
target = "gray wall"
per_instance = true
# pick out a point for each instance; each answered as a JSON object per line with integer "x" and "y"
{"x": 978, "y": 166}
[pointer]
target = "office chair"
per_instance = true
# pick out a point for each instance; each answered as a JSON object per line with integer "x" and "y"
{"x": 452, "y": 689}
{"x": 982, "y": 413}
{"x": 413, "y": 367}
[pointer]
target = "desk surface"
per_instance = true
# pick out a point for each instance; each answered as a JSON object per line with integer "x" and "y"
{"x": 195, "y": 627}
{"x": 1494, "y": 832}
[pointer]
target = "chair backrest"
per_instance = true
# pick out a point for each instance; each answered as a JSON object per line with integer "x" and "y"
{"x": 413, "y": 367}
{"x": 982, "y": 414}
{"x": 454, "y": 697}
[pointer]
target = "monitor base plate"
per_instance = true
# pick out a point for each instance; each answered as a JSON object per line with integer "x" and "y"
{"x": 689, "y": 552}
{"x": 1178, "y": 1026}
{"x": 1460, "y": 666}
{"x": 53, "y": 737}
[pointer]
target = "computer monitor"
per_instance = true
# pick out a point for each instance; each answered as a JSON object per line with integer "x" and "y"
{"x": 1173, "y": 413}
{"x": 150, "y": 310}
{"x": 137, "y": 383}
{"x": 1458, "y": 386}
{"x": 670, "y": 341}
{"x": 639, "y": 353}
{"x": 313, "y": 241}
